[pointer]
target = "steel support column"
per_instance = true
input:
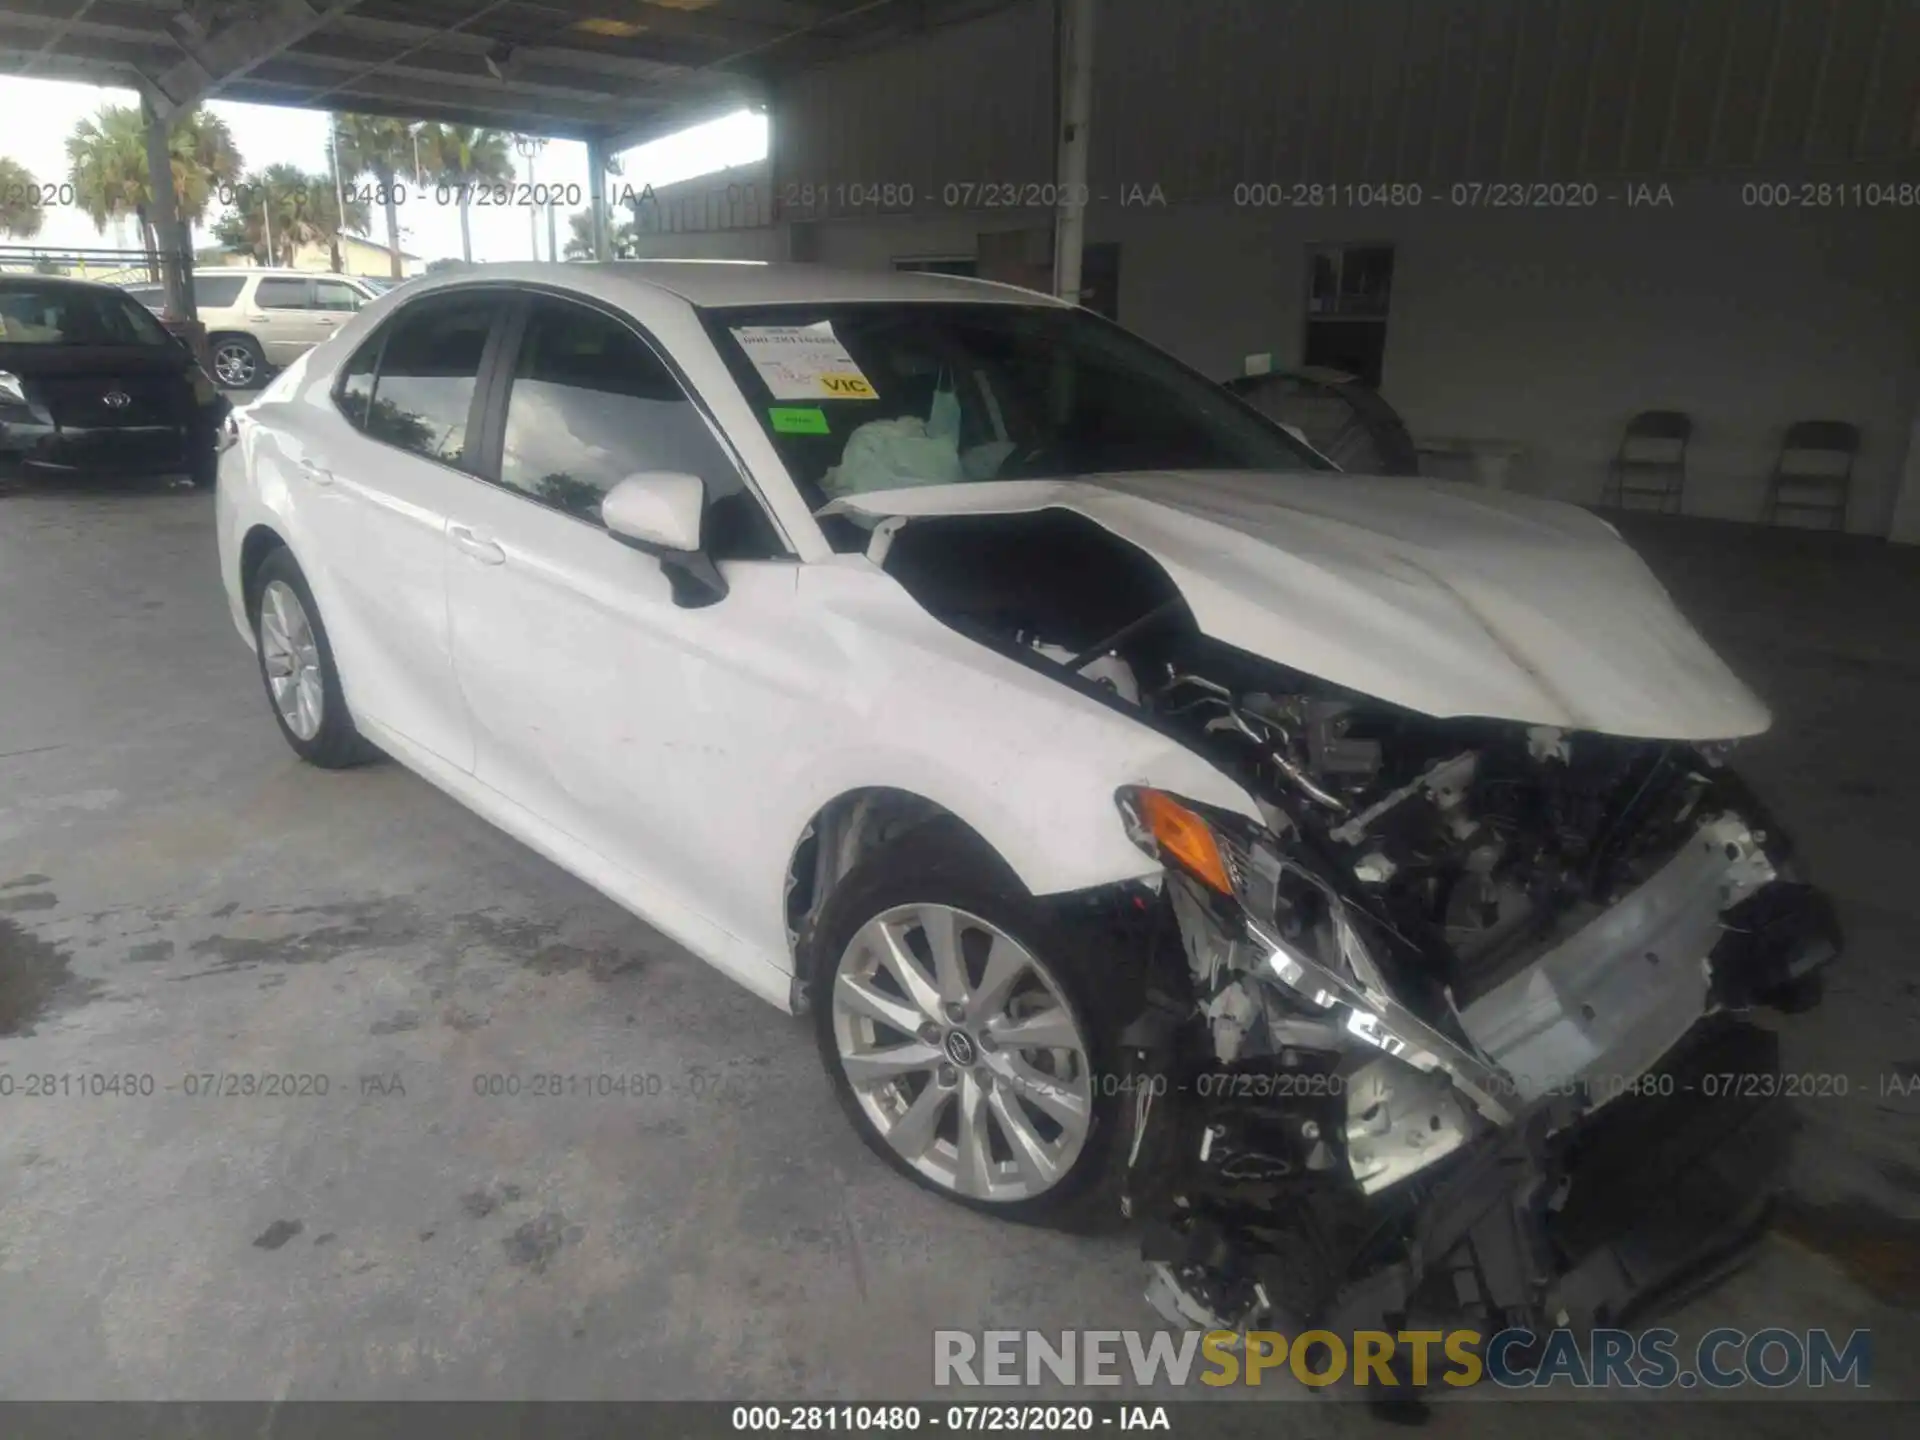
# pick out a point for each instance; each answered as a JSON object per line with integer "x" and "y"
{"x": 1070, "y": 171}
{"x": 597, "y": 197}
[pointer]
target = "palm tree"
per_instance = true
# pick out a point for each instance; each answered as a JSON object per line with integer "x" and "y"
{"x": 20, "y": 212}
{"x": 462, "y": 156}
{"x": 374, "y": 145}
{"x": 263, "y": 220}
{"x": 107, "y": 160}
{"x": 324, "y": 218}
{"x": 289, "y": 208}
{"x": 621, "y": 242}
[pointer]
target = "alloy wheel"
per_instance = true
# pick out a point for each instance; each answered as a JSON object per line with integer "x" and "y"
{"x": 291, "y": 658}
{"x": 234, "y": 365}
{"x": 960, "y": 1047}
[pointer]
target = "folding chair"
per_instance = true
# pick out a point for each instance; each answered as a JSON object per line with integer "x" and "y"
{"x": 1652, "y": 462}
{"x": 1814, "y": 472}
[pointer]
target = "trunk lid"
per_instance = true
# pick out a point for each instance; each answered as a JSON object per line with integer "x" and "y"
{"x": 75, "y": 382}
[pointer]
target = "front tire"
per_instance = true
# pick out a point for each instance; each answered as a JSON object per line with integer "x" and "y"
{"x": 967, "y": 1031}
{"x": 297, "y": 667}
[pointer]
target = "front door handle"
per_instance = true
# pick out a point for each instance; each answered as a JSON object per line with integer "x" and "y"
{"x": 485, "y": 551}
{"x": 318, "y": 474}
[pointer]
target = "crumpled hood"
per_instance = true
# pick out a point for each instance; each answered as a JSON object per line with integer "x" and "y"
{"x": 1448, "y": 599}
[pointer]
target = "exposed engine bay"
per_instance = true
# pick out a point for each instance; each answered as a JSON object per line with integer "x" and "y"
{"x": 1396, "y": 1039}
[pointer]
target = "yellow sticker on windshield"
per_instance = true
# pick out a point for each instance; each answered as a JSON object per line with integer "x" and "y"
{"x": 803, "y": 362}
{"x": 847, "y": 387}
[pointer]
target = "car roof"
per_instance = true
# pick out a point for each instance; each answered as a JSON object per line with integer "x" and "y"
{"x": 12, "y": 279}
{"x": 277, "y": 272}
{"x": 709, "y": 283}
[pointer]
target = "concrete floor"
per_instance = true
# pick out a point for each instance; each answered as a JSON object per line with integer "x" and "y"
{"x": 179, "y": 896}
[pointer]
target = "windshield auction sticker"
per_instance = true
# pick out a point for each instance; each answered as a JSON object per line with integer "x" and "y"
{"x": 803, "y": 362}
{"x": 799, "y": 419}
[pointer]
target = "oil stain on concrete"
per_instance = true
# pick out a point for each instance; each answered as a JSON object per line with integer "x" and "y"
{"x": 535, "y": 1244}
{"x": 278, "y": 1234}
{"x": 36, "y": 980}
{"x": 290, "y": 936}
{"x": 1880, "y": 1251}
{"x": 482, "y": 1203}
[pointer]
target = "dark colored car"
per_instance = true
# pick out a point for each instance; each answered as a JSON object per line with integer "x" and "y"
{"x": 92, "y": 384}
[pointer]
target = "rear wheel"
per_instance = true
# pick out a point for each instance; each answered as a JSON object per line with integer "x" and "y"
{"x": 238, "y": 363}
{"x": 297, "y": 668}
{"x": 966, "y": 1031}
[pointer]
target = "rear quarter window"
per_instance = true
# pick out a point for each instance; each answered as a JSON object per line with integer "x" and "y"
{"x": 216, "y": 292}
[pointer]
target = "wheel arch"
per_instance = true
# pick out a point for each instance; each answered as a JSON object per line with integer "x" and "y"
{"x": 259, "y": 542}
{"x": 839, "y": 834}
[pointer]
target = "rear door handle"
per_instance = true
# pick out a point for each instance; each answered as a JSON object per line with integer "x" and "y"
{"x": 485, "y": 551}
{"x": 318, "y": 474}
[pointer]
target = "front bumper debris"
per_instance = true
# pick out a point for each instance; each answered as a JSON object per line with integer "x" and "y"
{"x": 1565, "y": 1150}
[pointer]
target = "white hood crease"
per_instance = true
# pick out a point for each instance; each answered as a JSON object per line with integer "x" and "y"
{"x": 1446, "y": 599}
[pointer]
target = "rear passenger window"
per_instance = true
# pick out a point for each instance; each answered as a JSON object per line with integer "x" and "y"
{"x": 591, "y": 404}
{"x": 216, "y": 292}
{"x": 282, "y": 295}
{"x": 427, "y": 373}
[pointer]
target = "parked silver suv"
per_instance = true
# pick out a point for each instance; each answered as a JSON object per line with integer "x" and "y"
{"x": 260, "y": 320}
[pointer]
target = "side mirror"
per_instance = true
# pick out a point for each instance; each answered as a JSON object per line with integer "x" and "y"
{"x": 659, "y": 513}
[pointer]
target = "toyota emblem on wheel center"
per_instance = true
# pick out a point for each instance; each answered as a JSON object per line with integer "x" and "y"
{"x": 116, "y": 399}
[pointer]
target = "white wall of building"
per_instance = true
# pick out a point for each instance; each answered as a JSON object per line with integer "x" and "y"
{"x": 1546, "y": 328}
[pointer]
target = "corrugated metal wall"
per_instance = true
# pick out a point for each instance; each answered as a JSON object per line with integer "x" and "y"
{"x": 970, "y": 103}
{"x": 1199, "y": 96}
{"x": 737, "y": 199}
{"x": 1445, "y": 90}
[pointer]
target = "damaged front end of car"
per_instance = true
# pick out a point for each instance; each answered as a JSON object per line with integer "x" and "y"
{"x": 1466, "y": 1043}
{"x": 1455, "y": 1019}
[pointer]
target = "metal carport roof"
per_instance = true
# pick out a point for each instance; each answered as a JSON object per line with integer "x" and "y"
{"x": 616, "y": 71}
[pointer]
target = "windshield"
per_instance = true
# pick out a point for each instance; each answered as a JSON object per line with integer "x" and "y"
{"x": 73, "y": 315}
{"x": 862, "y": 397}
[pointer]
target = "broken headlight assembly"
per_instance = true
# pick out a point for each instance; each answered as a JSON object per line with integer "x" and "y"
{"x": 1279, "y": 961}
{"x": 1293, "y": 932}
{"x": 1536, "y": 1059}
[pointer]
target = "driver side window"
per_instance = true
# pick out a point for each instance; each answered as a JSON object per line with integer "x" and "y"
{"x": 592, "y": 404}
{"x": 335, "y": 295}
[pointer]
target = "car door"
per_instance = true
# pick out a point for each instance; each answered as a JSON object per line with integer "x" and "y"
{"x": 375, "y": 493}
{"x": 628, "y": 722}
{"x": 282, "y": 317}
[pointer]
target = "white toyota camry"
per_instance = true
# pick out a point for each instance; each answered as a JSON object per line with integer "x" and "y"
{"x": 1327, "y": 872}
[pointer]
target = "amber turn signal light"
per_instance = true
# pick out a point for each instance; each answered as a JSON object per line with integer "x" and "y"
{"x": 1181, "y": 836}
